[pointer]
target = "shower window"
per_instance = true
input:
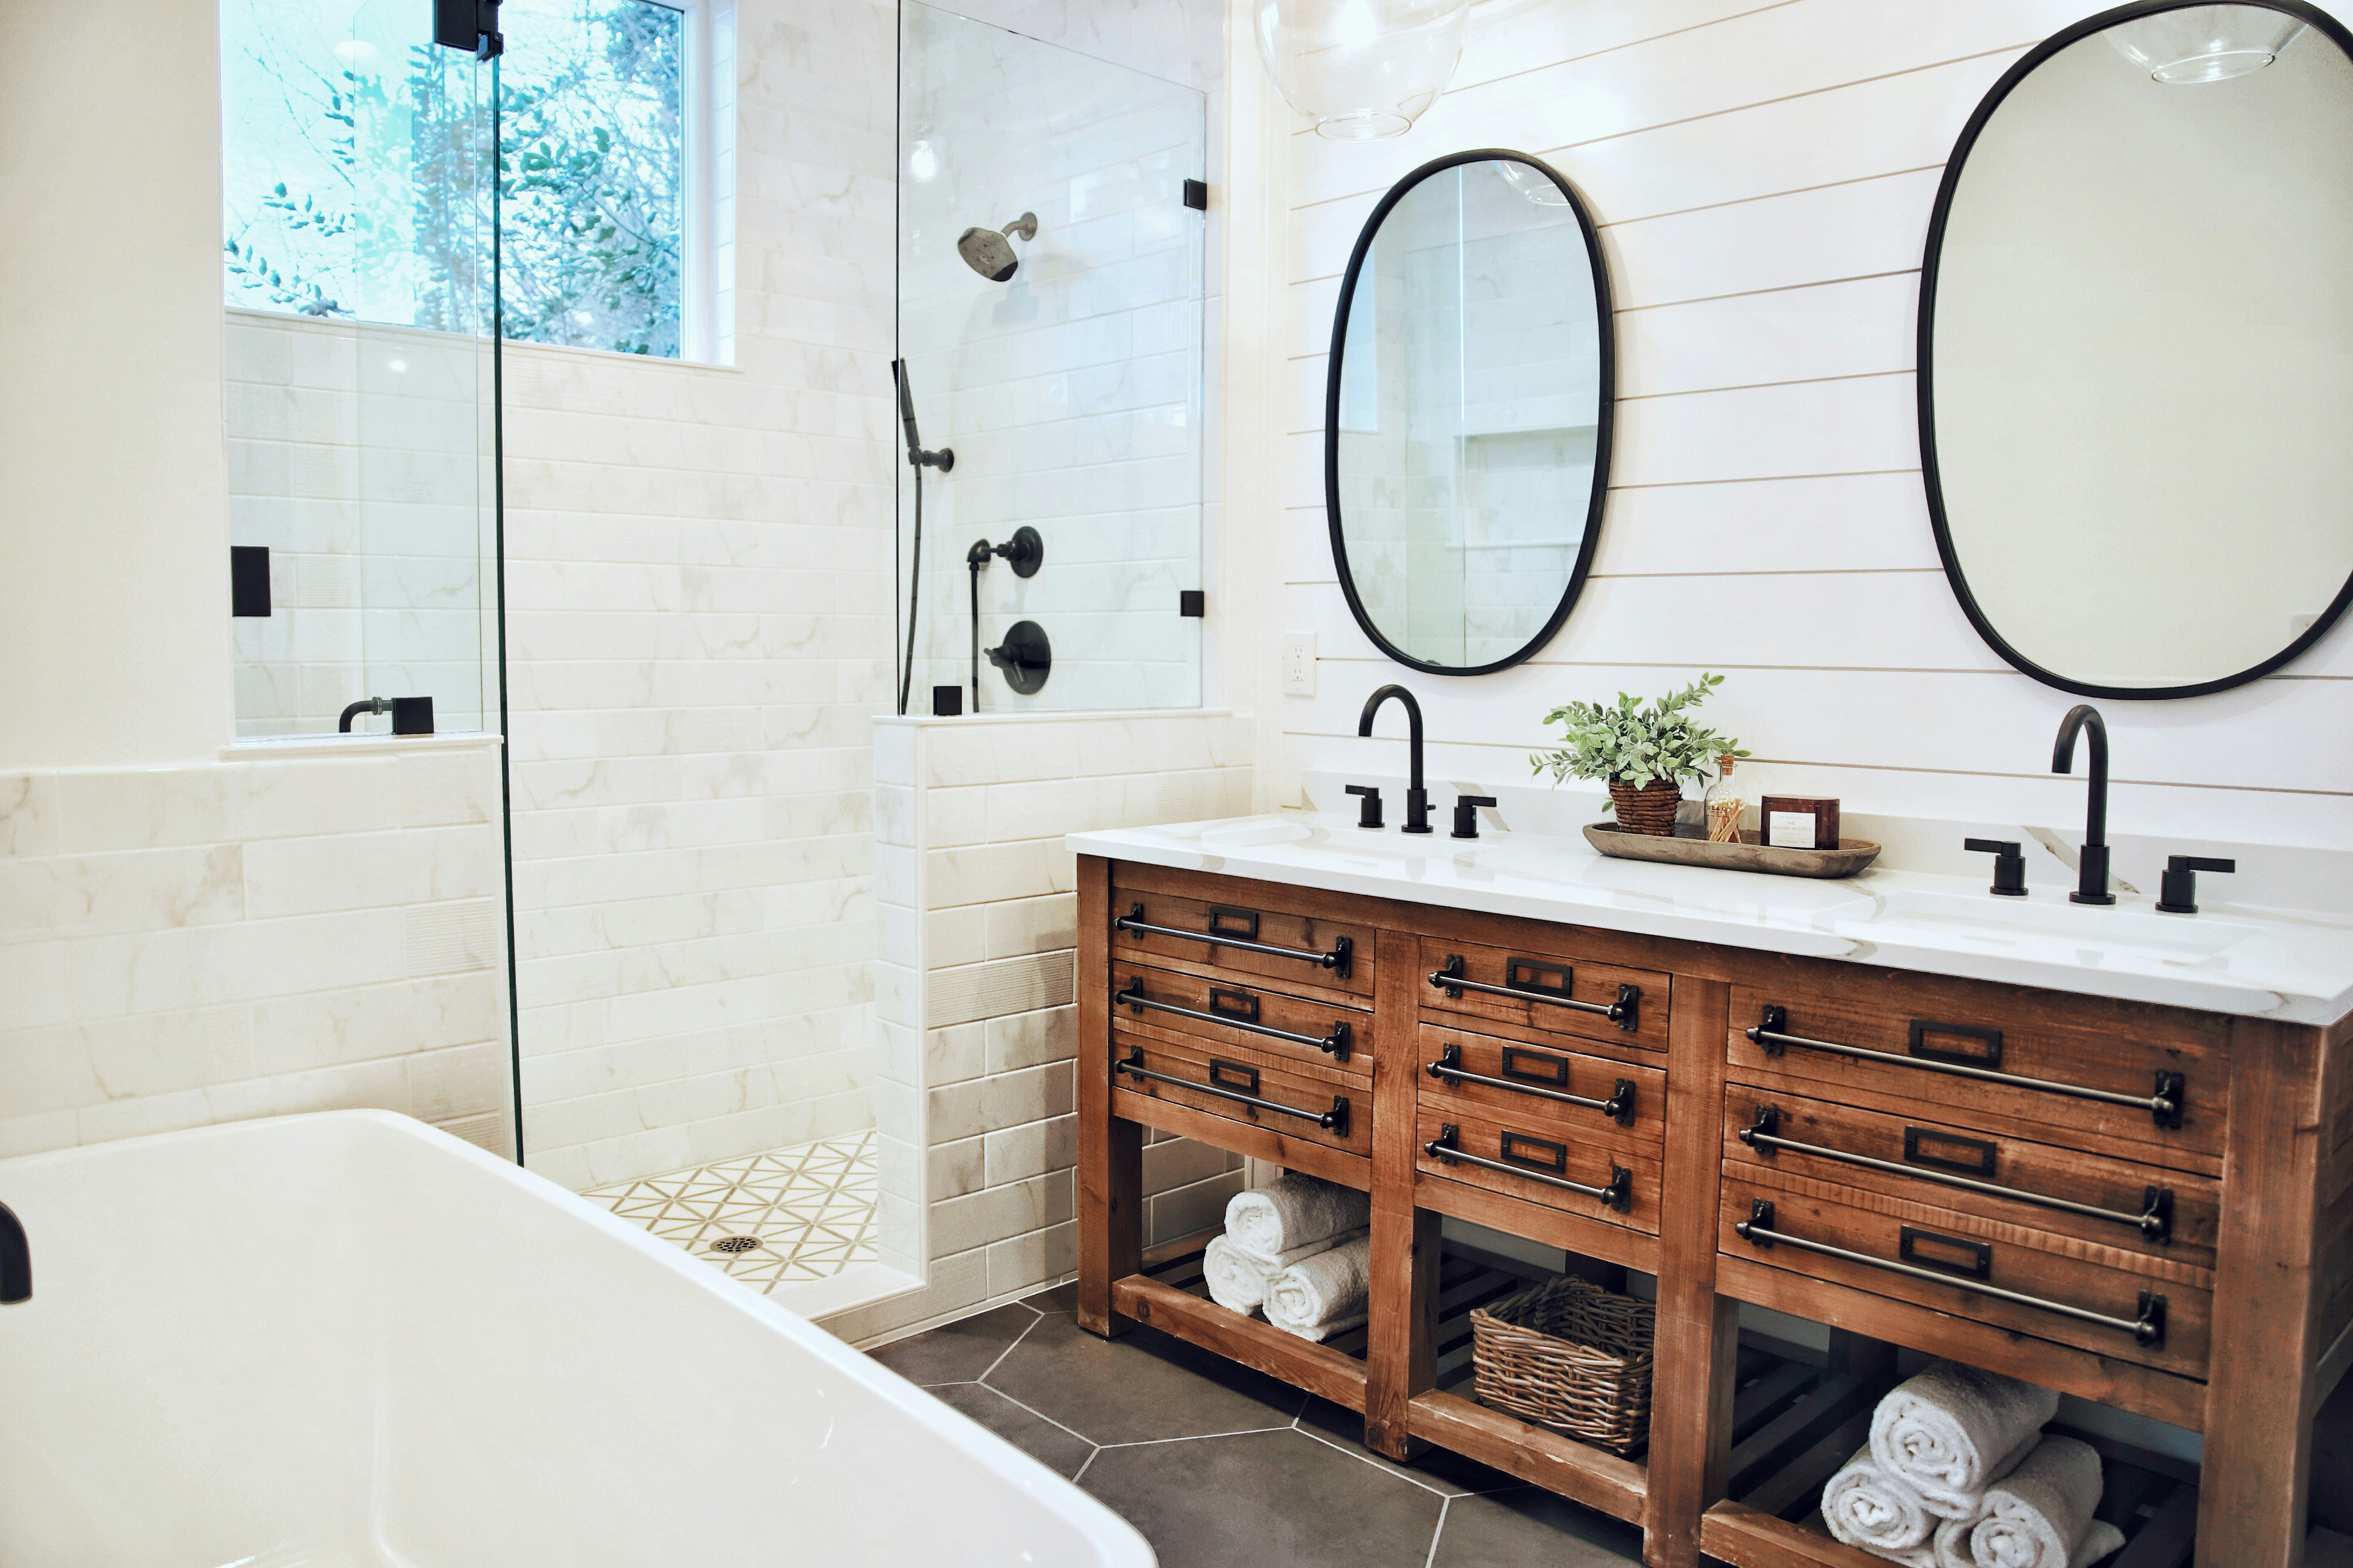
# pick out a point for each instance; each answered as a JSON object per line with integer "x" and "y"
{"x": 1069, "y": 388}
{"x": 357, "y": 182}
{"x": 343, "y": 134}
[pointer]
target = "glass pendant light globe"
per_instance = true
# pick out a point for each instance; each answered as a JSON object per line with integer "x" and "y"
{"x": 2205, "y": 43}
{"x": 1530, "y": 182}
{"x": 1361, "y": 68}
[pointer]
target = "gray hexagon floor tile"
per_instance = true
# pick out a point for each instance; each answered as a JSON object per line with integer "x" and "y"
{"x": 1144, "y": 1386}
{"x": 1278, "y": 1498}
{"x": 958, "y": 1352}
{"x": 1034, "y": 1435}
{"x": 1440, "y": 1470}
{"x": 1515, "y": 1529}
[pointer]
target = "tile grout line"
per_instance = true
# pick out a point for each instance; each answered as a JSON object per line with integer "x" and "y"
{"x": 1042, "y": 1416}
{"x": 1398, "y": 1472}
{"x": 1010, "y": 1348}
{"x": 1438, "y": 1533}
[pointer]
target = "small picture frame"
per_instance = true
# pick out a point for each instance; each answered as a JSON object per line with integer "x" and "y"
{"x": 1798, "y": 822}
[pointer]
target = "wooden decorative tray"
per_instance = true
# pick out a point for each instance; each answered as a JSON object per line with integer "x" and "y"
{"x": 1852, "y": 855}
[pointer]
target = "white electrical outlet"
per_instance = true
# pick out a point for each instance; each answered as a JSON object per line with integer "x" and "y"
{"x": 1298, "y": 664}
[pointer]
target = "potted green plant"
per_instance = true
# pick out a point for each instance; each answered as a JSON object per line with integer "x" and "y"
{"x": 1642, "y": 750}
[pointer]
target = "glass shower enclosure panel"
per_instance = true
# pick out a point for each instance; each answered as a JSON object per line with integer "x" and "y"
{"x": 358, "y": 248}
{"x": 1069, "y": 389}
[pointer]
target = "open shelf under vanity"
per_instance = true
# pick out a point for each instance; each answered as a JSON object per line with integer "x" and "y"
{"x": 1170, "y": 1294}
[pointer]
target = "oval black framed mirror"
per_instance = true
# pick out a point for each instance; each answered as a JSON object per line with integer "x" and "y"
{"x": 1467, "y": 412}
{"x": 2135, "y": 348}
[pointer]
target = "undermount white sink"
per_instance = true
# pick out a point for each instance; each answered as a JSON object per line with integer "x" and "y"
{"x": 2046, "y": 915}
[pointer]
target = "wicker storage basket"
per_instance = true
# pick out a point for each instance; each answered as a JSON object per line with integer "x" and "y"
{"x": 1570, "y": 1357}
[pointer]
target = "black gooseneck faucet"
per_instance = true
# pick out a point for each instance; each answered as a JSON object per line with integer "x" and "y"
{"x": 1416, "y": 799}
{"x": 2092, "y": 874}
{"x": 16, "y": 1260}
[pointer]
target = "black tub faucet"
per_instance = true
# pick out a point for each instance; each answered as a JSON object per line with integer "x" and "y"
{"x": 16, "y": 1260}
{"x": 2092, "y": 874}
{"x": 1416, "y": 799}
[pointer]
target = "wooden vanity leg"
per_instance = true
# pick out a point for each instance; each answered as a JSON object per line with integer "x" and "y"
{"x": 1400, "y": 1350}
{"x": 2259, "y": 1403}
{"x": 1111, "y": 1148}
{"x": 1698, "y": 1339}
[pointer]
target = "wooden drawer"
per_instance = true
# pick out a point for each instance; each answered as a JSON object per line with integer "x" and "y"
{"x": 1525, "y": 1079}
{"x": 1934, "y": 1159}
{"x": 2031, "y": 1063}
{"x": 1286, "y": 1027}
{"x": 1544, "y": 994}
{"x": 1319, "y": 1105}
{"x": 1538, "y": 1150}
{"x": 1240, "y": 941}
{"x": 1944, "y": 1244}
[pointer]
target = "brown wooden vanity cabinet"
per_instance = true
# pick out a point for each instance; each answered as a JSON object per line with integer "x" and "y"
{"x": 2145, "y": 1206}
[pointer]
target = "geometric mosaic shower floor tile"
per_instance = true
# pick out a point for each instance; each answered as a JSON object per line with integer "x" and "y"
{"x": 791, "y": 1214}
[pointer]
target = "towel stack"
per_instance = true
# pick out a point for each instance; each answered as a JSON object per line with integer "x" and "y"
{"x": 1958, "y": 1474}
{"x": 1299, "y": 1249}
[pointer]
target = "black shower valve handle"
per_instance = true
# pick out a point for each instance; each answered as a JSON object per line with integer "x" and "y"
{"x": 2178, "y": 888}
{"x": 1369, "y": 814}
{"x": 1466, "y": 814}
{"x": 2009, "y": 863}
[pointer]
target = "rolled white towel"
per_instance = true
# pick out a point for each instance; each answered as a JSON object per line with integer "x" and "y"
{"x": 2040, "y": 1517}
{"x": 1323, "y": 1295}
{"x": 1236, "y": 1277}
{"x": 1292, "y": 1211}
{"x": 1952, "y": 1431}
{"x": 1866, "y": 1507}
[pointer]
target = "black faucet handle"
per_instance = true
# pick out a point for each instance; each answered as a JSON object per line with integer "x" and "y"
{"x": 1369, "y": 814}
{"x": 2178, "y": 888}
{"x": 2009, "y": 863}
{"x": 1466, "y": 814}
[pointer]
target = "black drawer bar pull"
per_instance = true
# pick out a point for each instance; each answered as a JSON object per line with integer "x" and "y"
{"x": 2154, "y": 1221}
{"x": 1226, "y": 1009}
{"x": 1625, "y": 1012}
{"x": 1618, "y": 1106}
{"x": 2164, "y": 1103}
{"x": 2147, "y": 1329}
{"x": 1334, "y": 1120}
{"x": 1619, "y": 1195}
{"x": 1339, "y": 961}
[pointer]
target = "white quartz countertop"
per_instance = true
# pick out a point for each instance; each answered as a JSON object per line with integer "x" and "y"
{"x": 2262, "y": 963}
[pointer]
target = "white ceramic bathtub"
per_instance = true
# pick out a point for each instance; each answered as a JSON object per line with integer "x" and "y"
{"x": 347, "y": 1339}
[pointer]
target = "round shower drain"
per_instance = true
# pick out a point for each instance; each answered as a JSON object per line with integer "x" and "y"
{"x": 733, "y": 1244}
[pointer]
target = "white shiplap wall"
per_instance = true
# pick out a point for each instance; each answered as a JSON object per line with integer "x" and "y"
{"x": 1763, "y": 174}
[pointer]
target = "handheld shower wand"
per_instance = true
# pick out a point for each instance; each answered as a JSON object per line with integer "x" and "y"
{"x": 918, "y": 460}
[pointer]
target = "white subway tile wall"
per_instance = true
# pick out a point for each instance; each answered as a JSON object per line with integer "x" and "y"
{"x": 1763, "y": 176}
{"x": 975, "y": 1099}
{"x": 698, "y": 587}
{"x": 359, "y": 456}
{"x": 186, "y": 946}
{"x": 1071, "y": 394}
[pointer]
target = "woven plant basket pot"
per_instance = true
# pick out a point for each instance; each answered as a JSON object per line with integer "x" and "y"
{"x": 1649, "y": 809}
{"x": 1570, "y": 1357}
